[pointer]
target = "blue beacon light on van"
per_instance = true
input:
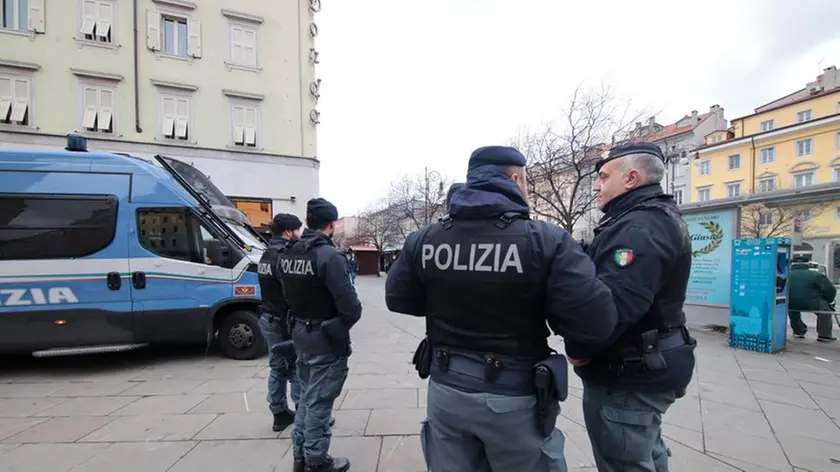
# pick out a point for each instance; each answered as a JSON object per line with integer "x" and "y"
{"x": 76, "y": 143}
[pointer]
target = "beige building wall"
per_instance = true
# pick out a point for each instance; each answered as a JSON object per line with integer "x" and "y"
{"x": 228, "y": 86}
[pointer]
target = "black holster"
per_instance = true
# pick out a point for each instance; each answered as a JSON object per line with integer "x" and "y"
{"x": 551, "y": 379}
{"x": 422, "y": 359}
{"x": 338, "y": 335}
{"x": 646, "y": 356}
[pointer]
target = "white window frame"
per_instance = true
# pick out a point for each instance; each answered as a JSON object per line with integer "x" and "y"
{"x": 679, "y": 196}
{"x": 765, "y": 180}
{"x": 156, "y": 33}
{"x": 94, "y": 22}
{"x": 34, "y": 17}
{"x": 241, "y": 62}
{"x": 768, "y": 125}
{"x": 803, "y": 215}
{"x": 181, "y": 124}
{"x": 708, "y": 167}
{"x": 730, "y": 187}
{"x": 771, "y": 151}
{"x": 804, "y": 116}
{"x": 704, "y": 190}
{"x": 729, "y": 162}
{"x": 807, "y": 173}
{"x": 804, "y": 152}
{"x": 16, "y": 104}
{"x": 837, "y": 174}
{"x": 98, "y": 109}
{"x": 241, "y": 131}
{"x": 837, "y": 140}
{"x": 837, "y": 212}
{"x": 765, "y": 216}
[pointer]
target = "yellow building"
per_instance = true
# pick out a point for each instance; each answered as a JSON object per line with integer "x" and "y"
{"x": 792, "y": 143}
{"x": 228, "y": 86}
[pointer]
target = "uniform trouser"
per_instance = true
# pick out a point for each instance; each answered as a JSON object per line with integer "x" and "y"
{"x": 321, "y": 378}
{"x": 625, "y": 428}
{"x": 483, "y": 432}
{"x": 282, "y": 369}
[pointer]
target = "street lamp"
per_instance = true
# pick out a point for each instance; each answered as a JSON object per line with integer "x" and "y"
{"x": 429, "y": 177}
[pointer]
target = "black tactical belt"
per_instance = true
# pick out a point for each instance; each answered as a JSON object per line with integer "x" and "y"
{"x": 482, "y": 374}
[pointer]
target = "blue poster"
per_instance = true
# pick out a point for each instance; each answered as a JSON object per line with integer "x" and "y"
{"x": 711, "y": 249}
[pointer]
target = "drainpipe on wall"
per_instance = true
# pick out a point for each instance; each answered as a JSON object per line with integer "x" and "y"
{"x": 136, "y": 72}
{"x": 753, "y": 165}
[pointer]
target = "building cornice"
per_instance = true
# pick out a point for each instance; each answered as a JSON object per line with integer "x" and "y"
{"x": 245, "y": 95}
{"x": 174, "y": 85}
{"x": 30, "y": 66}
{"x": 177, "y": 4}
{"x": 92, "y": 74}
{"x": 835, "y": 118}
{"x": 239, "y": 16}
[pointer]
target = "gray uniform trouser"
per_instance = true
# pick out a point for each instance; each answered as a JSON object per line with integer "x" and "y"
{"x": 483, "y": 432}
{"x": 625, "y": 428}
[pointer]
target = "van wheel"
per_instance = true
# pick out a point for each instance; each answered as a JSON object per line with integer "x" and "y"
{"x": 240, "y": 337}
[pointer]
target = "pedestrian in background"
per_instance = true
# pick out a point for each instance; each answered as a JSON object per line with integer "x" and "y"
{"x": 809, "y": 290}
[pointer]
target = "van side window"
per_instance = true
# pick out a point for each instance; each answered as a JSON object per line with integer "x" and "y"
{"x": 176, "y": 234}
{"x": 55, "y": 226}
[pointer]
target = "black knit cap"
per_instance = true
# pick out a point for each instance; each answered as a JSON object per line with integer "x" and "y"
{"x": 285, "y": 221}
{"x": 322, "y": 210}
{"x": 632, "y": 148}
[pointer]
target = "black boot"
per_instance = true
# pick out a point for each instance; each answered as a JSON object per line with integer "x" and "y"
{"x": 299, "y": 466}
{"x": 282, "y": 420}
{"x": 333, "y": 464}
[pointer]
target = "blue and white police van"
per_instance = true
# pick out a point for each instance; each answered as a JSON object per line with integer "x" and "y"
{"x": 105, "y": 252}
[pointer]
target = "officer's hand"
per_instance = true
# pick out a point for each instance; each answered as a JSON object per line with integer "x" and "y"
{"x": 578, "y": 362}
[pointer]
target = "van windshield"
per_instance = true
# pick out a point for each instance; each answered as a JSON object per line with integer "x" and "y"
{"x": 244, "y": 234}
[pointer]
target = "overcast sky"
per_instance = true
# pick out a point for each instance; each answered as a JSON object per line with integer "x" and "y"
{"x": 414, "y": 83}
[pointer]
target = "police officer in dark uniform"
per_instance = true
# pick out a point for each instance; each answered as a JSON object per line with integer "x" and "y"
{"x": 285, "y": 228}
{"x": 642, "y": 251}
{"x": 487, "y": 279}
{"x": 323, "y": 307}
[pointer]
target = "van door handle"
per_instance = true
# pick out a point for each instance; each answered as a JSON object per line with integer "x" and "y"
{"x": 114, "y": 280}
{"x": 138, "y": 279}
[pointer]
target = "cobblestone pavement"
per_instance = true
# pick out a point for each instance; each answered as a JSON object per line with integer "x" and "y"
{"x": 156, "y": 411}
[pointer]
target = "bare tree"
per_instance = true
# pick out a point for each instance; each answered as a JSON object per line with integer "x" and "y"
{"x": 417, "y": 201}
{"x": 378, "y": 227}
{"x": 562, "y": 156}
{"x": 340, "y": 240}
{"x": 762, "y": 221}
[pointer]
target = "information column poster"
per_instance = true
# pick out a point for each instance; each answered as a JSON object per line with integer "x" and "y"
{"x": 711, "y": 250}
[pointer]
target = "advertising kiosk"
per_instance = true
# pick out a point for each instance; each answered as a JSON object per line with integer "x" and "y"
{"x": 758, "y": 306}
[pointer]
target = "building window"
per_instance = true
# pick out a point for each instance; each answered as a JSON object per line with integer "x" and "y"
{"x": 243, "y": 45}
{"x": 705, "y": 167}
{"x": 734, "y": 161}
{"x": 733, "y": 190}
{"x": 704, "y": 194}
{"x": 15, "y": 14}
{"x": 767, "y": 155}
{"x": 804, "y": 147}
{"x": 837, "y": 212}
{"x": 837, "y": 174}
{"x": 178, "y": 235}
{"x": 15, "y": 100}
{"x": 173, "y": 35}
{"x": 768, "y": 125}
{"x": 55, "y": 226}
{"x": 97, "y": 21}
{"x": 679, "y": 170}
{"x": 765, "y": 219}
{"x": 175, "y": 117}
{"x": 767, "y": 185}
{"x": 98, "y": 106}
{"x": 678, "y": 196}
{"x": 244, "y": 124}
{"x": 837, "y": 140}
{"x": 804, "y": 179}
{"x": 803, "y": 116}
{"x": 803, "y": 215}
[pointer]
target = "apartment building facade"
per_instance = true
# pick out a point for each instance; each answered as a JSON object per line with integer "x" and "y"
{"x": 788, "y": 147}
{"x": 229, "y": 87}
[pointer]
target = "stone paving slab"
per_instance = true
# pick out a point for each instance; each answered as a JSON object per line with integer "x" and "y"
{"x": 181, "y": 410}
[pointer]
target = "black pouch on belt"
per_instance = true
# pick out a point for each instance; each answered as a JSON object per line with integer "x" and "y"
{"x": 422, "y": 359}
{"x": 551, "y": 379}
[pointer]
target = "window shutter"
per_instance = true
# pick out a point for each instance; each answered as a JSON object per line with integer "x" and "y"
{"x": 250, "y": 47}
{"x": 251, "y": 126}
{"x": 182, "y": 112}
{"x": 236, "y": 52}
{"x": 153, "y": 30}
{"x": 88, "y": 17}
{"x": 106, "y": 110}
{"x": 168, "y": 128}
{"x": 106, "y": 15}
{"x": 21, "y": 92}
{"x": 238, "y": 125}
{"x": 5, "y": 98}
{"x": 194, "y": 43}
{"x": 36, "y": 16}
{"x": 91, "y": 100}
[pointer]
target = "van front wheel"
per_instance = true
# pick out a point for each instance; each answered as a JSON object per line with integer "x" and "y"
{"x": 240, "y": 337}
